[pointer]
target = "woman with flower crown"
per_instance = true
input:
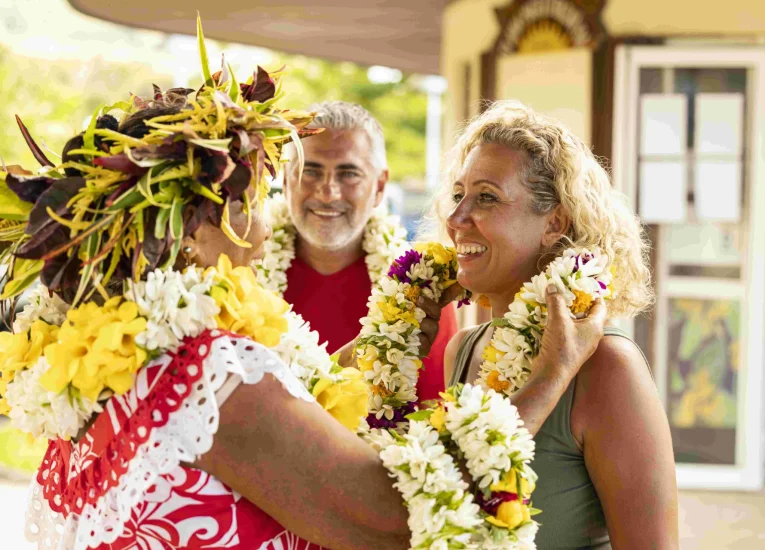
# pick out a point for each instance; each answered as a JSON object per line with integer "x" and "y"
{"x": 179, "y": 397}
{"x": 527, "y": 205}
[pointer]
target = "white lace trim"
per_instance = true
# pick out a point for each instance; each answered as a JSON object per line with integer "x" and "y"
{"x": 187, "y": 435}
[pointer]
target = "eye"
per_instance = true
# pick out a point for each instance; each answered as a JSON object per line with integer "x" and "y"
{"x": 349, "y": 175}
{"x": 487, "y": 197}
{"x": 456, "y": 197}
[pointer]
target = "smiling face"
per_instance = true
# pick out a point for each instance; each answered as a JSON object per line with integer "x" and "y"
{"x": 340, "y": 188}
{"x": 498, "y": 236}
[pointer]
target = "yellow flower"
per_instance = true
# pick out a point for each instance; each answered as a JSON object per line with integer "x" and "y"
{"x": 509, "y": 484}
{"x": 412, "y": 293}
{"x": 582, "y": 302}
{"x": 484, "y": 301}
{"x": 20, "y": 351}
{"x": 493, "y": 381}
{"x": 438, "y": 419}
{"x": 447, "y": 397}
{"x": 392, "y": 313}
{"x": 380, "y": 390}
{"x": 246, "y": 308}
{"x": 489, "y": 354}
{"x": 510, "y": 515}
{"x": 439, "y": 252}
{"x": 96, "y": 349}
{"x": 366, "y": 361}
{"x": 346, "y": 400}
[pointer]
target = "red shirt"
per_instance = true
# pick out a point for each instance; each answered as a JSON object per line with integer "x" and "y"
{"x": 334, "y": 304}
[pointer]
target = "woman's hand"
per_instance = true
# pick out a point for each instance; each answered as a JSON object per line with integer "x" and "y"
{"x": 429, "y": 325}
{"x": 567, "y": 343}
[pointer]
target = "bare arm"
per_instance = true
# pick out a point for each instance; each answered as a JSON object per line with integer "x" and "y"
{"x": 623, "y": 429}
{"x": 294, "y": 461}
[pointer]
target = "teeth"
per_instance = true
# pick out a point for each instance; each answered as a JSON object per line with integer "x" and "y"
{"x": 327, "y": 213}
{"x": 470, "y": 249}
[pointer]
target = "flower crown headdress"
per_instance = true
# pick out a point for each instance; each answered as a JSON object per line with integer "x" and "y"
{"x": 118, "y": 204}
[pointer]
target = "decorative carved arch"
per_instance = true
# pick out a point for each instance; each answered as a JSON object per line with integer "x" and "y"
{"x": 531, "y": 25}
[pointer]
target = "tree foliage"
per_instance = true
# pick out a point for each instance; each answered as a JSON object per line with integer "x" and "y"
{"x": 54, "y": 99}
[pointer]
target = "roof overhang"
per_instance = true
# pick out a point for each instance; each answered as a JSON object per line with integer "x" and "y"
{"x": 403, "y": 34}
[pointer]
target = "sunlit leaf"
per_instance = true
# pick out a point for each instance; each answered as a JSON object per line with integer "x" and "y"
{"x": 36, "y": 151}
{"x": 203, "y": 53}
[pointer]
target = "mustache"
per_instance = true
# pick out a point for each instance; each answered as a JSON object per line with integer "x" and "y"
{"x": 337, "y": 206}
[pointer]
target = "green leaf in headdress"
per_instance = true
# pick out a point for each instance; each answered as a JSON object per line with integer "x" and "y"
{"x": 25, "y": 272}
{"x": 203, "y": 53}
{"x": 11, "y": 206}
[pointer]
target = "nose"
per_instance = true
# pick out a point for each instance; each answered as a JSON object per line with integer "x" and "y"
{"x": 459, "y": 217}
{"x": 329, "y": 189}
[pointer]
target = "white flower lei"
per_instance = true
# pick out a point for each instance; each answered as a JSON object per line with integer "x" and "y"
{"x": 308, "y": 360}
{"x": 42, "y": 304}
{"x": 388, "y": 349}
{"x": 384, "y": 241}
{"x": 175, "y": 305}
{"x": 42, "y": 413}
{"x": 485, "y": 428}
{"x": 581, "y": 276}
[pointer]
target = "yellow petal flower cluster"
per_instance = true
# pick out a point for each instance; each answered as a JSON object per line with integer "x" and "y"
{"x": 510, "y": 515}
{"x": 441, "y": 254}
{"x": 392, "y": 312}
{"x": 513, "y": 513}
{"x": 346, "y": 400}
{"x": 246, "y": 308}
{"x": 20, "y": 351}
{"x": 96, "y": 349}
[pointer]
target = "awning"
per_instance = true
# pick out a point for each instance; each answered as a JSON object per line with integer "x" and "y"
{"x": 403, "y": 34}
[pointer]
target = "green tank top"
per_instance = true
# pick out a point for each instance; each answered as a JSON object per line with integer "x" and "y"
{"x": 572, "y": 516}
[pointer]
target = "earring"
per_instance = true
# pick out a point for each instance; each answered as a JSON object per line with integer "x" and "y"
{"x": 187, "y": 254}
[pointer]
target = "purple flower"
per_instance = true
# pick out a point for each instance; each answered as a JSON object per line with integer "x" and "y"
{"x": 399, "y": 415}
{"x": 401, "y": 265}
{"x": 491, "y": 504}
{"x": 463, "y": 302}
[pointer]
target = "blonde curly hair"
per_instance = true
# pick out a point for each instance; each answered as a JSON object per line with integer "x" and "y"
{"x": 561, "y": 169}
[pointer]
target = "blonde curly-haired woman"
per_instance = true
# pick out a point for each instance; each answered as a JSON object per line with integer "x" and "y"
{"x": 520, "y": 190}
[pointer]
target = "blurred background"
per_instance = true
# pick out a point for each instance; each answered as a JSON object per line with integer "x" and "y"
{"x": 669, "y": 93}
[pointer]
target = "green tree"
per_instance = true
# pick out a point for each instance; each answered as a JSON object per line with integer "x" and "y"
{"x": 54, "y": 99}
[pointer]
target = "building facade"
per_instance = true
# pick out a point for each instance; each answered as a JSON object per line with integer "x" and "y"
{"x": 671, "y": 94}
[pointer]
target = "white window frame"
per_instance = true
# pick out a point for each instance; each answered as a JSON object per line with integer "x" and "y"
{"x": 749, "y": 471}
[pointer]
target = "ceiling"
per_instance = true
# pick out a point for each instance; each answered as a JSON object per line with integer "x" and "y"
{"x": 403, "y": 34}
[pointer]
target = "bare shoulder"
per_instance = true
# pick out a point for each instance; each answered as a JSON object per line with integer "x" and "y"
{"x": 616, "y": 358}
{"x": 450, "y": 353}
{"x": 614, "y": 380}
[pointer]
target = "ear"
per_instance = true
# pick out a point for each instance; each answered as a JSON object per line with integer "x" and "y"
{"x": 558, "y": 224}
{"x": 382, "y": 179}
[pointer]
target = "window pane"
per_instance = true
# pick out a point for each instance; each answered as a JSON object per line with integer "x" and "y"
{"x": 703, "y": 362}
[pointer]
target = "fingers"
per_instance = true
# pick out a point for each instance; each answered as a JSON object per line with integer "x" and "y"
{"x": 450, "y": 294}
{"x": 431, "y": 308}
{"x": 429, "y": 328}
{"x": 596, "y": 318}
{"x": 425, "y": 345}
{"x": 556, "y": 305}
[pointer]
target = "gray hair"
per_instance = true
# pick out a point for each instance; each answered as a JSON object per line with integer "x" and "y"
{"x": 341, "y": 115}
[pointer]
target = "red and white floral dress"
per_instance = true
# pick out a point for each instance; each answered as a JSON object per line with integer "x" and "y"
{"x": 122, "y": 486}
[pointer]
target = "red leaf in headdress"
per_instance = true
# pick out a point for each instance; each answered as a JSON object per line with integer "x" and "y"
{"x": 262, "y": 88}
